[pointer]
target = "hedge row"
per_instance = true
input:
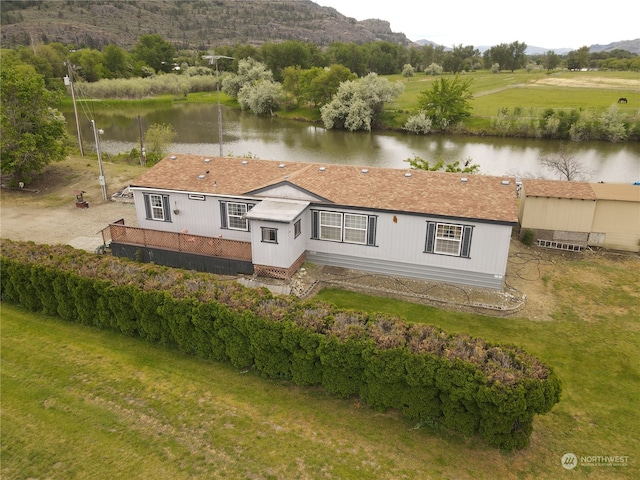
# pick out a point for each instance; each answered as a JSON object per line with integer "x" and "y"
{"x": 464, "y": 383}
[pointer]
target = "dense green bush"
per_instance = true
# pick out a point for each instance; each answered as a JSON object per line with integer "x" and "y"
{"x": 463, "y": 383}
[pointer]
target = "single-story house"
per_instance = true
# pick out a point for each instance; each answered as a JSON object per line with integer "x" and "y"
{"x": 574, "y": 215}
{"x": 234, "y": 215}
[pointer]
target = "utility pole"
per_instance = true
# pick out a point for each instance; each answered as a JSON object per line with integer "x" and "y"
{"x": 75, "y": 109}
{"x": 101, "y": 179}
{"x": 143, "y": 153}
{"x": 215, "y": 58}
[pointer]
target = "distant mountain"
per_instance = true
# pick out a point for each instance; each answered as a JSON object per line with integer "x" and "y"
{"x": 186, "y": 24}
{"x": 632, "y": 46}
{"x": 202, "y": 24}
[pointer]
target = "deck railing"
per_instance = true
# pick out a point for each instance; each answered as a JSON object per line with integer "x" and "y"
{"x": 181, "y": 242}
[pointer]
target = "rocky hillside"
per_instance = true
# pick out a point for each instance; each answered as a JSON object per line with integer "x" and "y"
{"x": 187, "y": 24}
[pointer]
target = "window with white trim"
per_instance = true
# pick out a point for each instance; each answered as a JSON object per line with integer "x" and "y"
{"x": 235, "y": 215}
{"x": 269, "y": 235}
{"x": 157, "y": 207}
{"x": 343, "y": 227}
{"x": 448, "y": 239}
{"x": 331, "y": 226}
{"x": 157, "y": 211}
{"x": 355, "y": 228}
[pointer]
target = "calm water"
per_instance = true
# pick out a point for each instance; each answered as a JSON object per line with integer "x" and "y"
{"x": 244, "y": 133}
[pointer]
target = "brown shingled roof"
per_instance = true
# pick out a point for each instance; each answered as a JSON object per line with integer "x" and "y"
{"x": 558, "y": 189}
{"x": 432, "y": 193}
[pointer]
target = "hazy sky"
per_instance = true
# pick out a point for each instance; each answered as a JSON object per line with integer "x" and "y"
{"x": 540, "y": 23}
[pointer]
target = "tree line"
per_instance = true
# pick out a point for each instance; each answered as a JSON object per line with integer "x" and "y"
{"x": 154, "y": 55}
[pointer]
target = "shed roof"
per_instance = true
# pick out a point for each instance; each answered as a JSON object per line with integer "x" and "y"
{"x": 558, "y": 189}
{"x": 277, "y": 210}
{"x": 414, "y": 191}
{"x": 625, "y": 192}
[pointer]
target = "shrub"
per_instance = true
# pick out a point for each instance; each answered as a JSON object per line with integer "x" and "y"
{"x": 433, "y": 69}
{"x": 528, "y": 236}
{"x": 460, "y": 382}
{"x": 419, "y": 123}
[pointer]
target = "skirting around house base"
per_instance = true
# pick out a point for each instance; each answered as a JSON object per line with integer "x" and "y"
{"x": 188, "y": 261}
{"x": 421, "y": 272}
{"x": 279, "y": 272}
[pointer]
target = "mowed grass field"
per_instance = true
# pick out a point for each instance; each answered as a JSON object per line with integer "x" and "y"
{"x": 532, "y": 92}
{"x": 83, "y": 403}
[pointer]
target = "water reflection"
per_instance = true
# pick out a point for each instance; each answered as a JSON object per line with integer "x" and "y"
{"x": 270, "y": 138}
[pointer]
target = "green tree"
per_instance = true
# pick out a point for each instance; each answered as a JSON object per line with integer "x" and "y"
{"x": 116, "y": 62}
{"x": 447, "y": 103}
{"x": 158, "y": 138}
{"x": 354, "y": 57}
{"x": 357, "y": 104}
{"x": 577, "y": 59}
{"x": 550, "y": 60}
{"x": 155, "y": 52}
{"x": 249, "y": 71}
{"x": 33, "y": 133}
{"x": 508, "y": 56}
{"x": 261, "y": 97}
{"x": 419, "y": 163}
{"x": 460, "y": 59}
{"x": 89, "y": 64}
{"x": 517, "y": 56}
{"x": 278, "y": 56}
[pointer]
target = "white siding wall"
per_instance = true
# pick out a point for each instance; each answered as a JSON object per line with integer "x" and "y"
{"x": 403, "y": 241}
{"x": 196, "y": 216}
{"x": 282, "y": 254}
{"x": 399, "y": 247}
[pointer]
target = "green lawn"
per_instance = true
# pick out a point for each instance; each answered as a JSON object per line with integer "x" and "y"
{"x": 84, "y": 403}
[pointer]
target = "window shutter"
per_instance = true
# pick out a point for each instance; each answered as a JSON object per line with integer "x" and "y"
{"x": 166, "y": 206}
{"x": 371, "y": 231}
{"x": 249, "y": 207}
{"x": 223, "y": 215}
{"x": 314, "y": 224}
{"x": 147, "y": 206}
{"x": 466, "y": 242}
{"x": 431, "y": 237}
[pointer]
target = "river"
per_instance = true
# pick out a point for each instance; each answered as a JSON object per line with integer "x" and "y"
{"x": 285, "y": 140}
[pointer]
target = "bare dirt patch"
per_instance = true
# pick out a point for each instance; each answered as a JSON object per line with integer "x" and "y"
{"x": 590, "y": 82}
